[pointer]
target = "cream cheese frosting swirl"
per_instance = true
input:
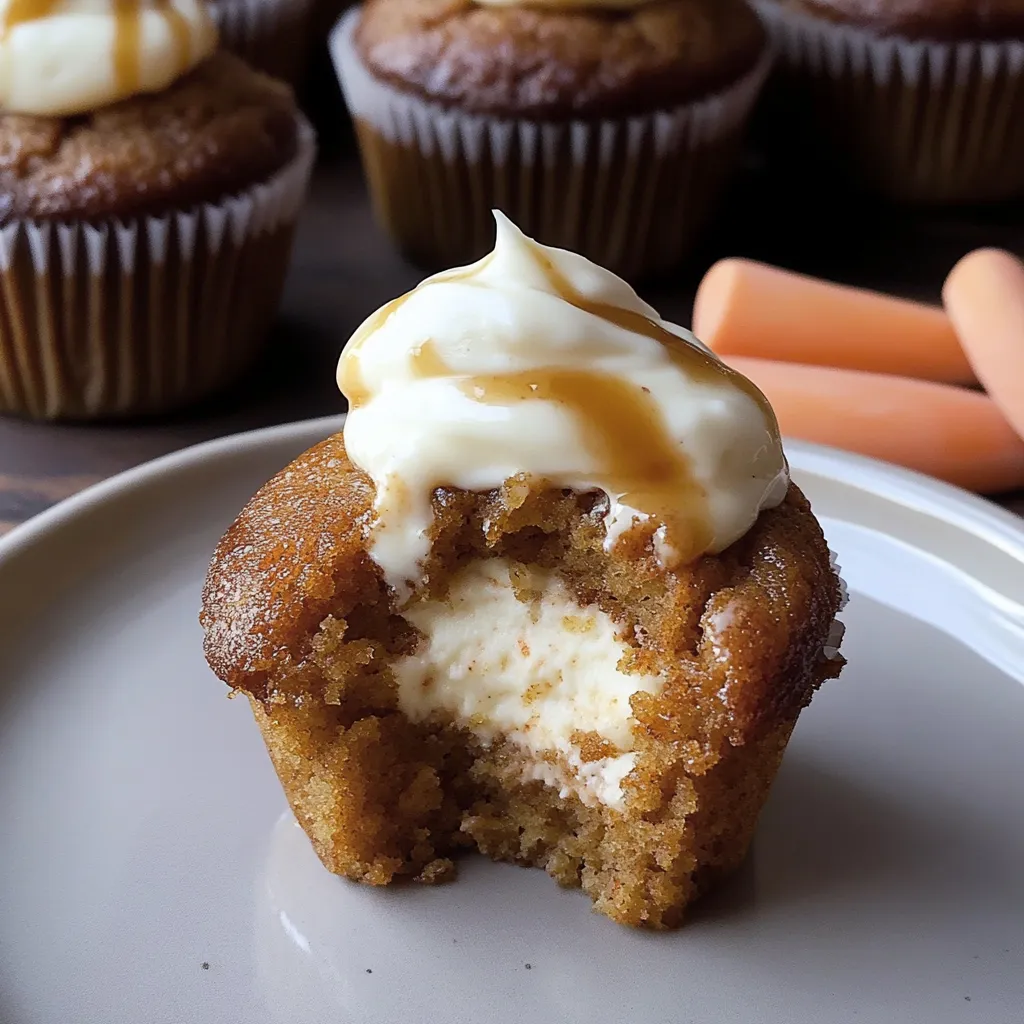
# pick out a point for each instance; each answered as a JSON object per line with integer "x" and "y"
{"x": 535, "y": 362}
{"x": 65, "y": 57}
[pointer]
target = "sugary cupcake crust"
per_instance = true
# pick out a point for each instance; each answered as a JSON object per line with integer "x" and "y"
{"x": 556, "y": 63}
{"x": 925, "y": 19}
{"x": 216, "y": 131}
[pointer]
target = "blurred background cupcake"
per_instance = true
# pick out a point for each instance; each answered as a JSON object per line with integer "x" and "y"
{"x": 920, "y": 100}
{"x": 603, "y": 126}
{"x": 272, "y": 35}
{"x": 147, "y": 203}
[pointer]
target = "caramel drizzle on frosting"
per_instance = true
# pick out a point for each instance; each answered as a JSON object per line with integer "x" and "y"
{"x": 127, "y": 43}
{"x": 27, "y": 10}
{"x": 127, "y": 50}
{"x": 640, "y": 462}
{"x": 624, "y": 429}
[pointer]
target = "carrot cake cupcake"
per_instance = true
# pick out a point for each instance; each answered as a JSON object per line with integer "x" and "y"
{"x": 918, "y": 99}
{"x": 551, "y": 595}
{"x": 604, "y": 126}
{"x": 148, "y": 195}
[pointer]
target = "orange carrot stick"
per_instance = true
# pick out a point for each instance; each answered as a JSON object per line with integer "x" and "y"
{"x": 750, "y": 309}
{"x": 952, "y": 433}
{"x": 984, "y": 296}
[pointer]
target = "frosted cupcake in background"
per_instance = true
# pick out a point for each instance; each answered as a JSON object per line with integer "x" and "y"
{"x": 147, "y": 202}
{"x": 921, "y": 100}
{"x": 603, "y": 126}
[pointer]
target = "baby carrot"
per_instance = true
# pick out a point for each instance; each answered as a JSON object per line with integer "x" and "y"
{"x": 952, "y": 433}
{"x": 745, "y": 308}
{"x": 984, "y": 296}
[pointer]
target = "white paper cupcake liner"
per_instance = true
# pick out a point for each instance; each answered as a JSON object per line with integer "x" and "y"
{"x": 918, "y": 120}
{"x": 116, "y": 318}
{"x": 631, "y": 194}
{"x": 272, "y": 35}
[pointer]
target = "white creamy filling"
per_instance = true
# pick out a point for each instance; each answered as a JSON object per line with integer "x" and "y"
{"x": 534, "y": 671}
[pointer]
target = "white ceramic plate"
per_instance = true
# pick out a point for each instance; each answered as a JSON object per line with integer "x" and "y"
{"x": 149, "y": 871}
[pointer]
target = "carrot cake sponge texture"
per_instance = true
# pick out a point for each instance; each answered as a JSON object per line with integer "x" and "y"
{"x": 551, "y": 596}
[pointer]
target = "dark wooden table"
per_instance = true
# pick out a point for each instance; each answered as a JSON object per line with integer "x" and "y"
{"x": 344, "y": 268}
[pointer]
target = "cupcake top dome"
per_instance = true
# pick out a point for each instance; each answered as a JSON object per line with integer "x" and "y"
{"x": 534, "y": 363}
{"x": 66, "y": 57}
{"x": 560, "y": 58}
{"x": 211, "y": 133}
{"x": 925, "y": 19}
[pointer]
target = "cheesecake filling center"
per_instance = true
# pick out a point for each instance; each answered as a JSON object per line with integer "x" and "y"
{"x": 509, "y": 653}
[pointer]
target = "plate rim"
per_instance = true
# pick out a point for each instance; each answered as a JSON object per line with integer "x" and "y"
{"x": 907, "y": 488}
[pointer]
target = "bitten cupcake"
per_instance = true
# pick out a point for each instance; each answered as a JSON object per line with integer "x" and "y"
{"x": 272, "y": 35}
{"x": 552, "y": 596}
{"x": 921, "y": 100}
{"x": 604, "y": 126}
{"x": 148, "y": 197}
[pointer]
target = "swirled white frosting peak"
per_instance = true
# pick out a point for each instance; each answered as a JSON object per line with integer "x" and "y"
{"x": 64, "y": 57}
{"x": 536, "y": 362}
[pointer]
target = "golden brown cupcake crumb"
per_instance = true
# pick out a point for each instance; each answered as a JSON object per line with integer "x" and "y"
{"x": 550, "y": 63}
{"x": 215, "y": 131}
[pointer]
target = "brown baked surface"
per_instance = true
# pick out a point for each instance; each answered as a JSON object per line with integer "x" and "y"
{"x": 296, "y": 615}
{"x": 216, "y": 131}
{"x": 925, "y": 19}
{"x": 552, "y": 63}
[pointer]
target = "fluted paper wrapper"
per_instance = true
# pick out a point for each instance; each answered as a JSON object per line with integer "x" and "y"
{"x": 272, "y": 35}
{"x": 120, "y": 318}
{"x": 918, "y": 120}
{"x": 631, "y": 194}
